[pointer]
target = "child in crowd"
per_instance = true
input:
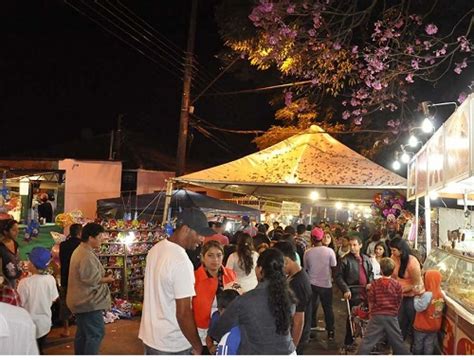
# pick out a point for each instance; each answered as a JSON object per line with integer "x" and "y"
{"x": 429, "y": 308}
{"x": 230, "y": 342}
{"x": 38, "y": 292}
{"x": 385, "y": 297}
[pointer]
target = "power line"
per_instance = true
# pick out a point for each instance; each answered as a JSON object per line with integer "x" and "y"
{"x": 212, "y": 126}
{"x": 298, "y": 83}
{"x": 123, "y": 40}
{"x": 170, "y": 62}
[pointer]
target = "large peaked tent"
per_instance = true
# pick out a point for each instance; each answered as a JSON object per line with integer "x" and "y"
{"x": 293, "y": 168}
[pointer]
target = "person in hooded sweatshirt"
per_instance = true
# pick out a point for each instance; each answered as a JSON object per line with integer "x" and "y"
{"x": 429, "y": 308}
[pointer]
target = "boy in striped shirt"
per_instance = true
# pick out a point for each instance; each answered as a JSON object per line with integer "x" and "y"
{"x": 385, "y": 297}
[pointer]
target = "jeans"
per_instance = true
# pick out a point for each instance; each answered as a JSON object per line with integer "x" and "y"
{"x": 89, "y": 334}
{"x": 378, "y": 326}
{"x": 406, "y": 315}
{"x": 424, "y": 342}
{"x": 151, "y": 351}
{"x": 325, "y": 296}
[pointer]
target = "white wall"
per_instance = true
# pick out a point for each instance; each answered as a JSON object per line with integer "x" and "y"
{"x": 452, "y": 219}
{"x": 89, "y": 181}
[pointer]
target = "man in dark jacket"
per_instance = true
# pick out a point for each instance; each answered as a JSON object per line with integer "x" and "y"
{"x": 66, "y": 248}
{"x": 354, "y": 272}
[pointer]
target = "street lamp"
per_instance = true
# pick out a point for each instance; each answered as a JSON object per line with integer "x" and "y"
{"x": 427, "y": 125}
{"x": 396, "y": 165}
{"x": 413, "y": 141}
{"x": 405, "y": 158}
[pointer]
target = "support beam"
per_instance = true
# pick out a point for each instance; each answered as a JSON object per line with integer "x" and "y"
{"x": 169, "y": 194}
{"x": 428, "y": 224}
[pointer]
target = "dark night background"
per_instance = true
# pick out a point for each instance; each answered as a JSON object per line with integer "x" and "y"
{"x": 64, "y": 80}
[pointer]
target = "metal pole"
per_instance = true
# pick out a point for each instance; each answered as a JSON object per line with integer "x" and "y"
{"x": 186, "y": 98}
{"x": 428, "y": 224}
{"x": 417, "y": 212}
{"x": 169, "y": 194}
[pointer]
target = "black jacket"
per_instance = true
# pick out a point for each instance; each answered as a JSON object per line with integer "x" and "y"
{"x": 348, "y": 273}
{"x": 257, "y": 324}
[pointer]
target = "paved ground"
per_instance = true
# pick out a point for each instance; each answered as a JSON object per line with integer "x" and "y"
{"x": 122, "y": 337}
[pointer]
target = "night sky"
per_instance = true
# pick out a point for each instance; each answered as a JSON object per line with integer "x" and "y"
{"x": 64, "y": 80}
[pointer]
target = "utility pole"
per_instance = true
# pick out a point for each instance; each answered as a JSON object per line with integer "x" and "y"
{"x": 118, "y": 138}
{"x": 186, "y": 99}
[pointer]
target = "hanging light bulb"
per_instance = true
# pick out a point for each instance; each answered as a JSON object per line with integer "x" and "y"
{"x": 396, "y": 165}
{"x": 314, "y": 195}
{"x": 405, "y": 158}
{"x": 427, "y": 125}
{"x": 413, "y": 141}
{"x": 338, "y": 205}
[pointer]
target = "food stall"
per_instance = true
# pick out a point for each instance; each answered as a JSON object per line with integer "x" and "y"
{"x": 444, "y": 168}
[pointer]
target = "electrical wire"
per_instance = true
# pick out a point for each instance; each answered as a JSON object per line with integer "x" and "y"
{"x": 256, "y": 90}
{"x": 178, "y": 66}
{"x": 123, "y": 40}
{"x": 209, "y": 125}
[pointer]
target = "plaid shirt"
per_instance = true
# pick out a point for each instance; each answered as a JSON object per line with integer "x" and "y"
{"x": 9, "y": 296}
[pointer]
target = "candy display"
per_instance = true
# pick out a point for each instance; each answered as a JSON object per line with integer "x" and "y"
{"x": 123, "y": 253}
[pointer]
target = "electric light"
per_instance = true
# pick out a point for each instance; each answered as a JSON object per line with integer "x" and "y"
{"x": 427, "y": 125}
{"x": 338, "y": 205}
{"x": 314, "y": 195}
{"x": 396, "y": 165}
{"x": 413, "y": 141}
{"x": 405, "y": 158}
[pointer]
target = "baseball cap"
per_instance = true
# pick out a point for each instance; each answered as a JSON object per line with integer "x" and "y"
{"x": 246, "y": 218}
{"x": 196, "y": 220}
{"x": 317, "y": 233}
{"x": 40, "y": 257}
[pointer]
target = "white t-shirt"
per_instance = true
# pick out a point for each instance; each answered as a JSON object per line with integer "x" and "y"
{"x": 17, "y": 331}
{"x": 318, "y": 262}
{"x": 247, "y": 282}
{"x": 37, "y": 294}
{"x": 169, "y": 275}
{"x": 375, "y": 267}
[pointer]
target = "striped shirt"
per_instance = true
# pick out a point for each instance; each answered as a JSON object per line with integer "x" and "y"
{"x": 385, "y": 297}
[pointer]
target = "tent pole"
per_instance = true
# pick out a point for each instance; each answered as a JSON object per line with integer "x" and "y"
{"x": 169, "y": 194}
{"x": 417, "y": 212}
{"x": 428, "y": 224}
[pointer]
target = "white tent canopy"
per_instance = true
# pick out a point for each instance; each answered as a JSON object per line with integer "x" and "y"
{"x": 299, "y": 165}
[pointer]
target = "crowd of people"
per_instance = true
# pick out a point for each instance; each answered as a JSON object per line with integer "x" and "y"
{"x": 253, "y": 292}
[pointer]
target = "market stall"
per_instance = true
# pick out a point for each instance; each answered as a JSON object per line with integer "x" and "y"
{"x": 151, "y": 206}
{"x": 444, "y": 168}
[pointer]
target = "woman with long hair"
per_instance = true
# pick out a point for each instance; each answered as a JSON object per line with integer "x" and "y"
{"x": 264, "y": 315}
{"x": 210, "y": 279}
{"x": 243, "y": 261}
{"x": 408, "y": 273}
{"x": 9, "y": 254}
{"x": 380, "y": 251}
{"x": 328, "y": 241}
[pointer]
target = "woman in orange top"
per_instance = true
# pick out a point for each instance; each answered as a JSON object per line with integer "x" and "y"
{"x": 408, "y": 273}
{"x": 210, "y": 279}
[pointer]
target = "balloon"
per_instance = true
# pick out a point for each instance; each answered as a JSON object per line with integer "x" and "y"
{"x": 55, "y": 254}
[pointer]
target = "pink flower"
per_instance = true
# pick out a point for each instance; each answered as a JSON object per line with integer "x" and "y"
{"x": 460, "y": 66}
{"x": 399, "y": 24}
{"x": 356, "y": 112}
{"x": 355, "y": 49}
{"x": 273, "y": 40}
{"x": 290, "y": 9}
{"x": 377, "y": 85}
{"x": 414, "y": 64}
{"x": 311, "y": 32}
{"x": 465, "y": 46}
{"x": 265, "y": 6}
{"x": 431, "y": 29}
{"x": 427, "y": 45}
{"x": 358, "y": 121}
{"x": 337, "y": 46}
{"x": 409, "y": 78}
{"x": 462, "y": 97}
{"x": 288, "y": 98}
{"x": 346, "y": 115}
{"x": 410, "y": 50}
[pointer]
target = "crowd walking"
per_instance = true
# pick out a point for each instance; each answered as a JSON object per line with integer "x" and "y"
{"x": 207, "y": 295}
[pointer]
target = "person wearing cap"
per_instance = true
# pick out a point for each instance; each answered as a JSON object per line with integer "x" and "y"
{"x": 88, "y": 294}
{"x": 38, "y": 292}
{"x": 167, "y": 325}
{"x": 320, "y": 264}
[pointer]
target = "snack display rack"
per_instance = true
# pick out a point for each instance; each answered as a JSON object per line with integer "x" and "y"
{"x": 123, "y": 253}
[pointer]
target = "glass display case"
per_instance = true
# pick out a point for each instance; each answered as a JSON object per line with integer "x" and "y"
{"x": 458, "y": 276}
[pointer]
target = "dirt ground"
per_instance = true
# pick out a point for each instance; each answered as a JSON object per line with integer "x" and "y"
{"x": 122, "y": 336}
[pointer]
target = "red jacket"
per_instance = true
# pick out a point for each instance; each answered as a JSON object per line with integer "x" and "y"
{"x": 206, "y": 288}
